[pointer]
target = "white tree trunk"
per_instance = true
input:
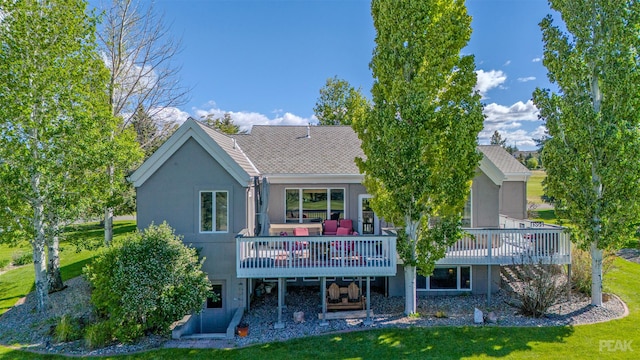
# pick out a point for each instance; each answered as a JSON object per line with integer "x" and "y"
{"x": 410, "y": 292}
{"x": 54, "y": 278}
{"x": 108, "y": 226}
{"x": 108, "y": 211}
{"x": 38, "y": 244}
{"x": 596, "y": 275}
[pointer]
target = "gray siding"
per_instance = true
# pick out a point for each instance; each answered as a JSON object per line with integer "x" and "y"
{"x": 485, "y": 202}
{"x": 172, "y": 194}
{"x": 513, "y": 199}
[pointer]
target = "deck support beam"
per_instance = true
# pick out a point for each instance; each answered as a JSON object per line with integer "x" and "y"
{"x": 368, "y": 321}
{"x": 281, "y": 292}
{"x": 489, "y": 285}
{"x": 323, "y": 298}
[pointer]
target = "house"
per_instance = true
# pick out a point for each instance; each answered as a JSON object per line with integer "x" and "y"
{"x": 232, "y": 197}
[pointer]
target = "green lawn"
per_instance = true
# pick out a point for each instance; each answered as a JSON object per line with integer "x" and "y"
{"x": 16, "y": 283}
{"x": 534, "y": 186}
{"x": 570, "y": 342}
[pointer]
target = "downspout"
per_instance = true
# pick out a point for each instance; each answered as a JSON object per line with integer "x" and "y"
{"x": 257, "y": 199}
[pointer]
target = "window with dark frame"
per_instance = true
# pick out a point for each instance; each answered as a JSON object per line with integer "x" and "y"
{"x": 446, "y": 278}
{"x": 215, "y": 304}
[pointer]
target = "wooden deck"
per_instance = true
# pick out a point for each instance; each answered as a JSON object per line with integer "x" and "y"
{"x": 316, "y": 256}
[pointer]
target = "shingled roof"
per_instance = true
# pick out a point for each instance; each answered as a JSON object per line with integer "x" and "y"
{"x": 230, "y": 147}
{"x": 503, "y": 160}
{"x": 288, "y": 150}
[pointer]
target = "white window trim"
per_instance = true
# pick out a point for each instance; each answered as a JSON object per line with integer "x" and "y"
{"x": 470, "y": 207}
{"x": 300, "y": 202}
{"x": 213, "y": 212}
{"x": 458, "y": 279}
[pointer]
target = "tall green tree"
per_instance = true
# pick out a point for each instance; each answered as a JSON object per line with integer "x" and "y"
{"x": 592, "y": 157}
{"x": 340, "y": 103}
{"x": 496, "y": 139}
{"x": 149, "y": 134}
{"x": 420, "y": 137}
{"x": 55, "y": 115}
{"x": 225, "y": 124}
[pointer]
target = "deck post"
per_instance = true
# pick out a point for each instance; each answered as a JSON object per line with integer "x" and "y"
{"x": 323, "y": 299}
{"x": 280, "y": 324}
{"x": 489, "y": 285}
{"x": 368, "y": 321}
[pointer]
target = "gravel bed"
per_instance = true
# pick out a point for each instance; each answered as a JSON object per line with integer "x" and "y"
{"x": 23, "y": 325}
{"x": 388, "y": 312}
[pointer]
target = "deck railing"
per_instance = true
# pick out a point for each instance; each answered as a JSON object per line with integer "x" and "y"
{"x": 511, "y": 246}
{"x": 312, "y": 256}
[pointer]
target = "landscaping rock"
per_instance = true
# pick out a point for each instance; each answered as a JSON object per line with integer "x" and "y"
{"x": 478, "y": 316}
{"x": 492, "y": 318}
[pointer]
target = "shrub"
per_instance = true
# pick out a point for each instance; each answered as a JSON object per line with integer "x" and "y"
{"x": 98, "y": 335}
{"x": 581, "y": 269}
{"x": 535, "y": 287}
{"x": 4, "y": 263}
{"x": 147, "y": 282}
{"x": 67, "y": 329}
{"x": 21, "y": 258}
{"x": 532, "y": 163}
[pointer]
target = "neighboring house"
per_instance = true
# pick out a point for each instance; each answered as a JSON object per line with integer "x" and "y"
{"x": 233, "y": 196}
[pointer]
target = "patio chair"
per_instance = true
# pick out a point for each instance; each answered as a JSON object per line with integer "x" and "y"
{"x": 347, "y": 224}
{"x": 341, "y": 231}
{"x": 354, "y": 292}
{"x": 330, "y": 227}
{"x": 333, "y": 294}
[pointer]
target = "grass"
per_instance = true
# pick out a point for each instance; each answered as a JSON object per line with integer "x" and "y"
{"x": 18, "y": 282}
{"x": 534, "y": 186}
{"x": 469, "y": 342}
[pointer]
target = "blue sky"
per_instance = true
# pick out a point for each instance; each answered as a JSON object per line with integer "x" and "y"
{"x": 265, "y": 61}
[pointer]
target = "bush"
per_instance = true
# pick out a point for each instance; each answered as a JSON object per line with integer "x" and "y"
{"x": 4, "y": 263}
{"x": 532, "y": 163}
{"x": 535, "y": 287}
{"x": 21, "y": 258}
{"x": 67, "y": 329}
{"x": 98, "y": 335}
{"x": 147, "y": 282}
{"x": 581, "y": 269}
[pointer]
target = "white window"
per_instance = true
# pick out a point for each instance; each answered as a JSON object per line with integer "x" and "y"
{"x": 466, "y": 214}
{"x": 446, "y": 278}
{"x": 302, "y": 205}
{"x": 214, "y": 211}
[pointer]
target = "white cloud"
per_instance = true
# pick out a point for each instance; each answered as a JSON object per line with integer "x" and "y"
{"x": 525, "y": 79}
{"x": 245, "y": 120}
{"x": 536, "y": 59}
{"x": 510, "y": 122}
{"x": 519, "y": 111}
{"x": 169, "y": 115}
{"x": 488, "y": 80}
{"x": 507, "y": 63}
{"x": 520, "y": 138}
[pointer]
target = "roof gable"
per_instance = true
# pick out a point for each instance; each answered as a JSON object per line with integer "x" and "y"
{"x": 220, "y": 147}
{"x": 501, "y": 166}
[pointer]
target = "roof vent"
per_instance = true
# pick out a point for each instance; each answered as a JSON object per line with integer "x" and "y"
{"x": 308, "y": 131}
{"x": 234, "y": 143}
